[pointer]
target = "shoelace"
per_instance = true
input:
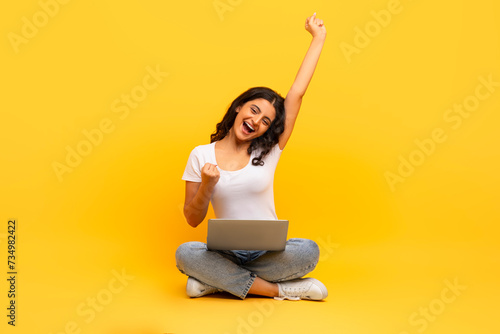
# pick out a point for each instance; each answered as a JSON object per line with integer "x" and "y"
{"x": 293, "y": 293}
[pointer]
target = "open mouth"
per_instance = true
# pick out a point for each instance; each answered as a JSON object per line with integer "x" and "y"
{"x": 247, "y": 128}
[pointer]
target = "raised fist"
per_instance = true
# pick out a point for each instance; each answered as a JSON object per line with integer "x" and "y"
{"x": 209, "y": 174}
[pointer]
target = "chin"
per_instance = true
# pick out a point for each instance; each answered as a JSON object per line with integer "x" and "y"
{"x": 243, "y": 137}
{"x": 247, "y": 139}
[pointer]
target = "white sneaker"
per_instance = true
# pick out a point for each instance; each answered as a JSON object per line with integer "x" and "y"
{"x": 302, "y": 288}
{"x": 195, "y": 288}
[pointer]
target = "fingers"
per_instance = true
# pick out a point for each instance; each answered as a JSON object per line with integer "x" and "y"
{"x": 312, "y": 20}
{"x": 210, "y": 169}
{"x": 210, "y": 174}
{"x": 208, "y": 165}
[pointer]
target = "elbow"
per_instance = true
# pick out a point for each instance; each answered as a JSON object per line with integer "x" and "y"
{"x": 192, "y": 221}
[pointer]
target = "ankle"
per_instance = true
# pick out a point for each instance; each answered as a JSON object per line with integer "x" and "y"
{"x": 264, "y": 288}
{"x": 275, "y": 290}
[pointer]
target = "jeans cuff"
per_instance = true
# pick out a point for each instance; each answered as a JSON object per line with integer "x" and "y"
{"x": 249, "y": 285}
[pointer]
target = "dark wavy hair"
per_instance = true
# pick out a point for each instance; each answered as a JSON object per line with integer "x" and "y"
{"x": 267, "y": 140}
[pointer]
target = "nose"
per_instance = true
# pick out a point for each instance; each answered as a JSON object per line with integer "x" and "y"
{"x": 257, "y": 120}
{"x": 254, "y": 121}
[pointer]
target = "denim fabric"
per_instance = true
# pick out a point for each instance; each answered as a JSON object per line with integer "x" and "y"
{"x": 234, "y": 271}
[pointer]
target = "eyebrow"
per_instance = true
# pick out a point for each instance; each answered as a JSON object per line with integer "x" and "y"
{"x": 256, "y": 106}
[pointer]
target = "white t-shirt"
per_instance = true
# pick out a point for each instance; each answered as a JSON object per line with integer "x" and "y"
{"x": 246, "y": 193}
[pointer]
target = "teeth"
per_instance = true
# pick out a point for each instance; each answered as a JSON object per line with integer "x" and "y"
{"x": 249, "y": 126}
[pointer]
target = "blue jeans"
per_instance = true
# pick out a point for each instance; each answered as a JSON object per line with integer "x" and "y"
{"x": 234, "y": 271}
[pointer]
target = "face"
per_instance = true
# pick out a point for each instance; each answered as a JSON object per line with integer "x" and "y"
{"x": 253, "y": 119}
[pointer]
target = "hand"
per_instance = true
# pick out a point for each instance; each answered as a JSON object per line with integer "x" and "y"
{"x": 315, "y": 26}
{"x": 210, "y": 175}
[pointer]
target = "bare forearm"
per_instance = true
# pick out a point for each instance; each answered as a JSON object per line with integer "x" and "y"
{"x": 197, "y": 209}
{"x": 306, "y": 70}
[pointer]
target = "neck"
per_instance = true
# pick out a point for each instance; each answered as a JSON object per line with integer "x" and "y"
{"x": 231, "y": 142}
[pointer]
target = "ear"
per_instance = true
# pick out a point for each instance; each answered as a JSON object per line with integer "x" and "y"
{"x": 238, "y": 109}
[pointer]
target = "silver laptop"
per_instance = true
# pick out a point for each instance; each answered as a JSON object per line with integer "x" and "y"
{"x": 247, "y": 234}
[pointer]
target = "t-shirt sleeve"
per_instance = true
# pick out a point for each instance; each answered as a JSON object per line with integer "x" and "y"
{"x": 192, "y": 172}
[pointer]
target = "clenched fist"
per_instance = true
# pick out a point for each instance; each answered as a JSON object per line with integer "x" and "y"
{"x": 209, "y": 174}
{"x": 315, "y": 26}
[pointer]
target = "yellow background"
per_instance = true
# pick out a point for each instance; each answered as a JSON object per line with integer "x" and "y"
{"x": 386, "y": 253}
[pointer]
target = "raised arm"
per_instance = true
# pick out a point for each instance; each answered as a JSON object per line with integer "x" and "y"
{"x": 293, "y": 99}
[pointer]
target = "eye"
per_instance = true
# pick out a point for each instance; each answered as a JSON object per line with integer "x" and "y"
{"x": 253, "y": 110}
{"x": 266, "y": 123}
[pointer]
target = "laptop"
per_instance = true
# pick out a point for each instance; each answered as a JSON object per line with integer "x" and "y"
{"x": 247, "y": 234}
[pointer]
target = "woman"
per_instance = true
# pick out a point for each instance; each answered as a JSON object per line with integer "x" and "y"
{"x": 236, "y": 172}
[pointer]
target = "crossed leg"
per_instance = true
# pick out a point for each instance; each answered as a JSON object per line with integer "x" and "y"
{"x": 259, "y": 276}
